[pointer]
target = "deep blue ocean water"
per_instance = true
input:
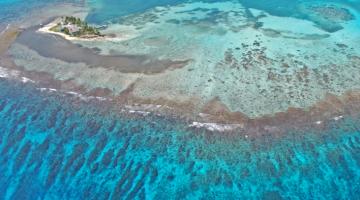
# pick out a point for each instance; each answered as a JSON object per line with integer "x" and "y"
{"x": 56, "y": 147}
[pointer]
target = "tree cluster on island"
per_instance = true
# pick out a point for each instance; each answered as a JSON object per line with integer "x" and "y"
{"x": 75, "y": 27}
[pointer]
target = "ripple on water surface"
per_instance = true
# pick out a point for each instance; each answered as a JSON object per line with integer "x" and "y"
{"x": 54, "y": 149}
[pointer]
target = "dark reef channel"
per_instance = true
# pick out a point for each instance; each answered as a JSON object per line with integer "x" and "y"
{"x": 53, "y": 46}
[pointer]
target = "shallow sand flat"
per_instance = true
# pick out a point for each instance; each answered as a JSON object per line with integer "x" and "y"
{"x": 248, "y": 69}
{"x": 239, "y": 62}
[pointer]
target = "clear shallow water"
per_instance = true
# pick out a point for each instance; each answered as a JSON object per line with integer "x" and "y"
{"x": 238, "y": 52}
{"x": 53, "y": 147}
{"x": 108, "y": 10}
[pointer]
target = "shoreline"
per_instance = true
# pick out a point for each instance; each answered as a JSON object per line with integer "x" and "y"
{"x": 46, "y": 30}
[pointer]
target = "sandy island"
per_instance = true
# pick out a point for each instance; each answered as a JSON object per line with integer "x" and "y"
{"x": 46, "y": 29}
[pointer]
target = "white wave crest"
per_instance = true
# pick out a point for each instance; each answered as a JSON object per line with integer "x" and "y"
{"x": 216, "y": 126}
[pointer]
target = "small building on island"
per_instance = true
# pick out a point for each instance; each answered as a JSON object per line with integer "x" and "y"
{"x": 76, "y": 27}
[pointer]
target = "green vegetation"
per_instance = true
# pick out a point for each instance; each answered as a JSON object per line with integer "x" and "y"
{"x": 76, "y": 27}
{"x": 66, "y": 31}
{"x": 56, "y": 28}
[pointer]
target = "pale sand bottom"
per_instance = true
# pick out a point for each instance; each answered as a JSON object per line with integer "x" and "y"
{"x": 118, "y": 82}
{"x": 214, "y": 114}
{"x": 252, "y": 69}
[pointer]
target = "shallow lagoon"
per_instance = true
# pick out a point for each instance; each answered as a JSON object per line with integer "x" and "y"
{"x": 270, "y": 62}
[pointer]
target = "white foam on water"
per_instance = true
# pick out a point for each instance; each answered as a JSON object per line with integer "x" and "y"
{"x": 75, "y": 94}
{"x": 216, "y": 126}
{"x": 26, "y": 80}
{"x": 318, "y": 122}
{"x": 143, "y": 107}
{"x": 338, "y": 117}
{"x": 3, "y": 73}
{"x": 203, "y": 115}
{"x": 87, "y": 98}
{"x": 72, "y": 93}
{"x": 144, "y": 113}
{"x": 101, "y": 98}
{"x": 47, "y": 89}
{"x": 7, "y": 73}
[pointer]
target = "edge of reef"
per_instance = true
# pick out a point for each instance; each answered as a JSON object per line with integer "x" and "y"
{"x": 214, "y": 116}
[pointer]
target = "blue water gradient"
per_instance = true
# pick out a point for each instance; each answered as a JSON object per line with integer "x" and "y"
{"x": 53, "y": 147}
{"x": 106, "y": 10}
{"x": 103, "y": 11}
{"x": 56, "y": 147}
{"x": 15, "y": 9}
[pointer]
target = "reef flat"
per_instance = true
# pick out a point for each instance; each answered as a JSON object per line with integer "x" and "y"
{"x": 219, "y": 61}
{"x": 244, "y": 99}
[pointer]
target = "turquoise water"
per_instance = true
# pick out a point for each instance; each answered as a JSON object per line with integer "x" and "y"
{"x": 107, "y": 10}
{"x": 53, "y": 146}
{"x": 111, "y": 10}
{"x": 11, "y": 10}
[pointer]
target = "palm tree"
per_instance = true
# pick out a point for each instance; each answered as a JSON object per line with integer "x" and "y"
{"x": 66, "y": 31}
